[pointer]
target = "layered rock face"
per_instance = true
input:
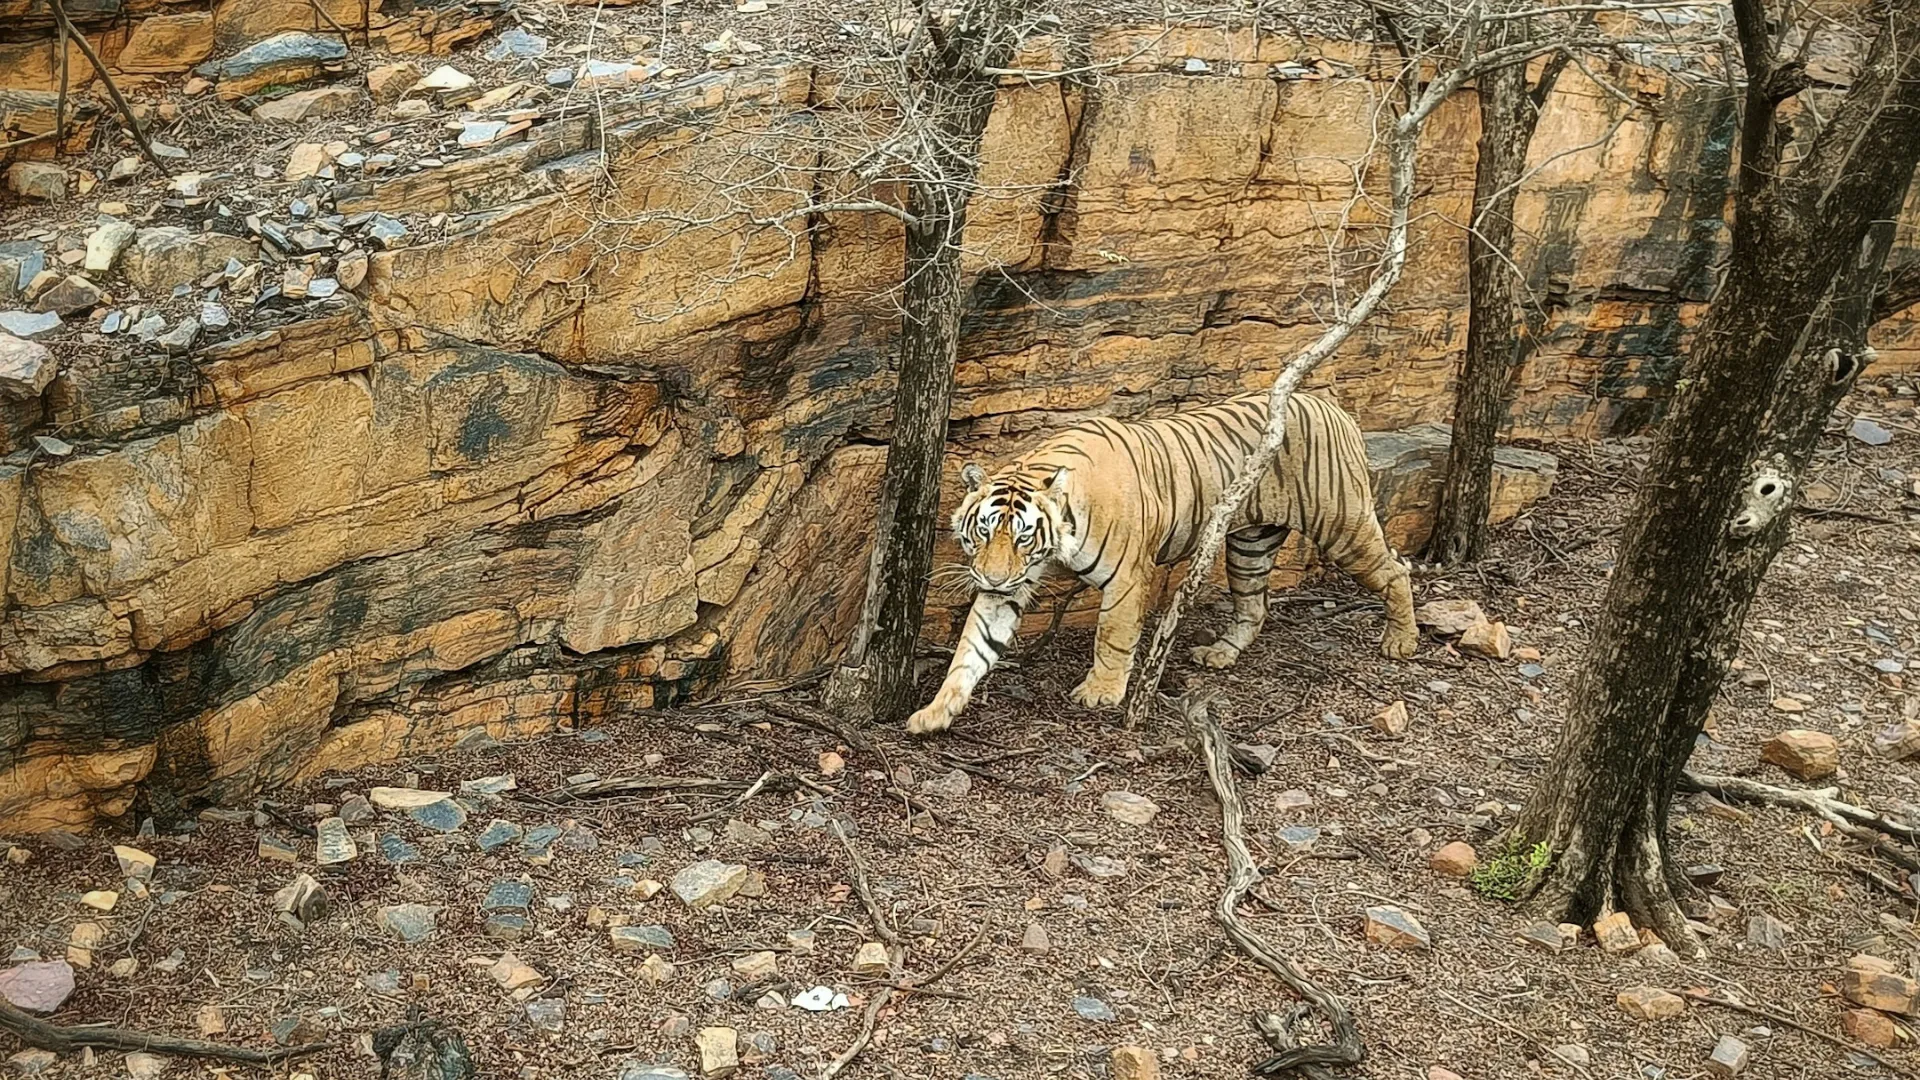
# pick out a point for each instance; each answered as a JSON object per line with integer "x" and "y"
{"x": 545, "y": 468}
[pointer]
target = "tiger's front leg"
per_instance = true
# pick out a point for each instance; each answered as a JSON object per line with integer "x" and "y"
{"x": 986, "y": 638}
{"x": 1123, "y": 605}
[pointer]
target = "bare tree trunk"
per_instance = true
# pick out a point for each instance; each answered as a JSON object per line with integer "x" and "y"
{"x": 1402, "y": 152}
{"x": 876, "y": 679}
{"x": 1694, "y": 546}
{"x": 1497, "y": 341}
{"x": 1825, "y": 369}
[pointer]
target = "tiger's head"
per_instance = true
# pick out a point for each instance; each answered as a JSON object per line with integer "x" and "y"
{"x": 1010, "y": 524}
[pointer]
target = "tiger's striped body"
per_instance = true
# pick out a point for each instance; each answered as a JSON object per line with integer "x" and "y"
{"x": 1110, "y": 500}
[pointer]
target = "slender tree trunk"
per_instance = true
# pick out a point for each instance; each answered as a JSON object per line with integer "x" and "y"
{"x": 1498, "y": 340}
{"x": 1695, "y": 543}
{"x": 955, "y": 100}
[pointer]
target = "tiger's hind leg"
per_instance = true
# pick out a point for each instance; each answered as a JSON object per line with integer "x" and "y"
{"x": 1250, "y": 555}
{"x": 1363, "y": 552}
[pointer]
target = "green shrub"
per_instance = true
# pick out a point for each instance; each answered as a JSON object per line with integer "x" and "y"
{"x": 1507, "y": 875}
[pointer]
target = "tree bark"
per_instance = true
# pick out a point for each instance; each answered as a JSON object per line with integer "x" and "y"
{"x": 1497, "y": 340}
{"x": 953, "y": 100}
{"x": 1757, "y": 378}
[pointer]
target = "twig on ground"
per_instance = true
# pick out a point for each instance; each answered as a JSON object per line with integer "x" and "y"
{"x": 745, "y": 797}
{"x": 809, "y": 716}
{"x": 61, "y": 1039}
{"x": 1545, "y": 1050}
{"x": 1242, "y": 875}
{"x": 882, "y": 928}
{"x": 1768, "y": 1014}
{"x": 861, "y": 1040}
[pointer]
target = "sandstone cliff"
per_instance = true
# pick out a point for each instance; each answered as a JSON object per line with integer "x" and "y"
{"x": 531, "y": 468}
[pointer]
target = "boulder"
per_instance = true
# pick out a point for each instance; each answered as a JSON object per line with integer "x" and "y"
{"x": 1876, "y": 984}
{"x": 70, "y": 294}
{"x": 1392, "y": 720}
{"x": 20, "y": 262}
{"x": 26, "y": 368}
{"x": 1451, "y": 618}
{"x": 167, "y": 43}
{"x": 1616, "y": 934}
{"x": 1870, "y": 1027}
{"x": 303, "y": 105}
{"x": 306, "y": 160}
{"x": 40, "y": 986}
{"x": 1128, "y": 808}
{"x": 1409, "y": 466}
{"x": 37, "y": 180}
{"x": 392, "y": 798}
{"x": 719, "y": 1052}
{"x": 1803, "y": 754}
{"x": 1650, "y": 1003}
{"x": 281, "y": 60}
{"x": 1457, "y": 859}
{"x": 634, "y": 940}
{"x": 388, "y": 83}
{"x": 104, "y": 244}
{"x": 871, "y": 958}
{"x": 1036, "y": 941}
{"x": 1133, "y": 1063}
{"x": 164, "y": 256}
{"x": 1488, "y": 639}
{"x": 1728, "y": 1058}
{"x": 1396, "y": 929}
{"x": 134, "y": 863}
{"x": 707, "y": 883}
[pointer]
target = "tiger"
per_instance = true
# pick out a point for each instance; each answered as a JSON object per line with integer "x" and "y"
{"x": 1109, "y": 500}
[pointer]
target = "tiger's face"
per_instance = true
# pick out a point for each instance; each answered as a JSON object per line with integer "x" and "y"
{"x": 1010, "y": 525}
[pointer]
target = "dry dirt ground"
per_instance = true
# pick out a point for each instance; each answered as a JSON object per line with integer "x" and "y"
{"x": 1142, "y": 945}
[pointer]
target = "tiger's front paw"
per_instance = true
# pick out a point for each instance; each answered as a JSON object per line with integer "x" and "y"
{"x": 1400, "y": 643}
{"x": 1099, "y": 692}
{"x": 1217, "y": 655}
{"x": 929, "y": 720}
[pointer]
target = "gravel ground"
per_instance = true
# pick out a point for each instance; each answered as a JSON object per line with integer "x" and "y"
{"x": 1139, "y": 950}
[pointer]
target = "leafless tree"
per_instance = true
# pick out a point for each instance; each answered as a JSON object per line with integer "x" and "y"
{"x": 1780, "y": 343}
{"x": 1441, "y": 47}
{"x": 1499, "y": 336}
{"x": 948, "y": 67}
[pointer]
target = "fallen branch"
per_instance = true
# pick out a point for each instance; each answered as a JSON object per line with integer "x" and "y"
{"x": 61, "y": 1039}
{"x": 897, "y": 955}
{"x": 861, "y": 1040}
{"x": 1706, "y": 998}
{"x": 768, "y": 781}
{"x": 1242, "y": 875}
{"x": 881, "y": 927}
{"x": 641, "y": 785}
{"x": 1857, "y": 822}
{"x": 819, "y": 721}
{"x": 1540, "y": 1045}
{"x": 941, "y": 972}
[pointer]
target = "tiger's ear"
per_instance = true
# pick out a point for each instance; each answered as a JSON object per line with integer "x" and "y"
{"x": 1058, "y": 484}
{"x": 973, "y": 476}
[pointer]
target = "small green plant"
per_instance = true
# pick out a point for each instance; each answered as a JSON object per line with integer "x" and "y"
{"x": 1512, "y": 870}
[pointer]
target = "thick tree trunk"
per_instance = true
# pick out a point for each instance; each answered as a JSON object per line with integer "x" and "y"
{"x": 954, "y": 100}
{"x": 1694, "y": 548}
{"x": 1834, "y": 356}
{"x": 1495, "y": 348}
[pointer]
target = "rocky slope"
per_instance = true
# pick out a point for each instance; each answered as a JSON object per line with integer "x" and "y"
{"x": 385, "y": 420}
